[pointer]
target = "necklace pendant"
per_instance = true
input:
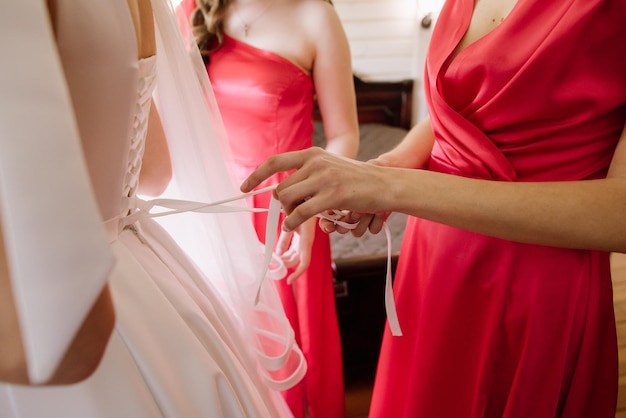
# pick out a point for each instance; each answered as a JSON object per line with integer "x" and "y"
{"x": 246, "y": 26}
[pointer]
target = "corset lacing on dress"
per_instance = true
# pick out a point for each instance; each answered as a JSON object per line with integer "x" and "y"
{"x": 145, "y": 87}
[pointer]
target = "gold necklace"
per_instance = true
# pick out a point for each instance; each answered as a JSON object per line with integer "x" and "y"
{"x": 247, "y": 25}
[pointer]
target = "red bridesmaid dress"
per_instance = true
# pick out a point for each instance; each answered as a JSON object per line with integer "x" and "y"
{"x": 494, "y": 328}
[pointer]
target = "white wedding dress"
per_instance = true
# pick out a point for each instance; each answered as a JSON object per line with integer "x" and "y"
{"x": 177, "y": 349}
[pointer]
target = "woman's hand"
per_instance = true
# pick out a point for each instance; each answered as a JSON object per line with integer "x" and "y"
{"x": 294, "y": 248}
{"x": 323, "y": 181}
{"x": 372, "y": 221}
{"x": 413, "y": 153}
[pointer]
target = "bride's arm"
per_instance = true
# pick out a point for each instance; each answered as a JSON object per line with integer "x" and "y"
{"x": 12, "y": 358}
{"x": 90, "y": 338}
{"x": 84, "y": 353}
{"x": 87, "y": 346}
{"x": 156, "y": 165}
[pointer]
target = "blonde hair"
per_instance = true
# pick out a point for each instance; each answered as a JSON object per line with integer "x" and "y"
{"x": 207, "y": 25}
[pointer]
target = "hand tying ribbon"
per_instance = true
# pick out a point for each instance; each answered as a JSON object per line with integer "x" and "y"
{"x": 278, "y": 270}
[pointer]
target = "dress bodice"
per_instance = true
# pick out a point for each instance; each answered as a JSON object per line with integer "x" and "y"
{"x": 265, "y": 100}
{"x": 487, "y": 116}
{"x": 113, "y": 135}
{"x": 108, "y": 71}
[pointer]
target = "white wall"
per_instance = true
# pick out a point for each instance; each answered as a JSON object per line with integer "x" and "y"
{"x": 382, "y": 35}
{"x": 387, "y": 41}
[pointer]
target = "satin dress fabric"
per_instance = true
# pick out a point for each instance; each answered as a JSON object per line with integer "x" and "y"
{"x": 175, "y": 351}
{"x": 266, "y": 103}
{"x": 494, "y": 328}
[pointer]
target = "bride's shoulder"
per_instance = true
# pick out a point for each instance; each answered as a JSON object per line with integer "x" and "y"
{"x": 143, "y": 19}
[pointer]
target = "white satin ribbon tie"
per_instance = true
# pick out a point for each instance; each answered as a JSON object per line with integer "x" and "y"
{"x": 272, "y": 267}
{"x": 390, "y": 304}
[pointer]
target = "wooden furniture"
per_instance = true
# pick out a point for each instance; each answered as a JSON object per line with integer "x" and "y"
{"x": 384, "y": 112}
{"x": 383, "y": 102}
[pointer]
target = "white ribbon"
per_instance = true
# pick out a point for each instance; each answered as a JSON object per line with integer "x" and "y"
{"x": 390, "y": 304}
{"x": 174, "y": 206}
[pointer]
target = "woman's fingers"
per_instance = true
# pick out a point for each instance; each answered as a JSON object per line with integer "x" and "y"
{"x": 290, "y": 258}
{"x": 363, "y": 220}
{"x": 284, "y": 240}
{"x": 327, "y": 225}
{"x": 377, "y": 222}
{"x": 322, "y": 181}
{"x": 275, "y": 164}
{"x": 297, "y": 273}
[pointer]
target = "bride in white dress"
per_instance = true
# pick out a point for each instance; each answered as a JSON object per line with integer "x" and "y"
{"x": 76, "y": 88}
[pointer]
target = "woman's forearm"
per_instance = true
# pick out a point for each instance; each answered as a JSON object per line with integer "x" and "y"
{"x": 346, "y": 145}
{"x": 582, "y": 214}
{"x": 587, "y": 214}
{"x": 414, "y": 150}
